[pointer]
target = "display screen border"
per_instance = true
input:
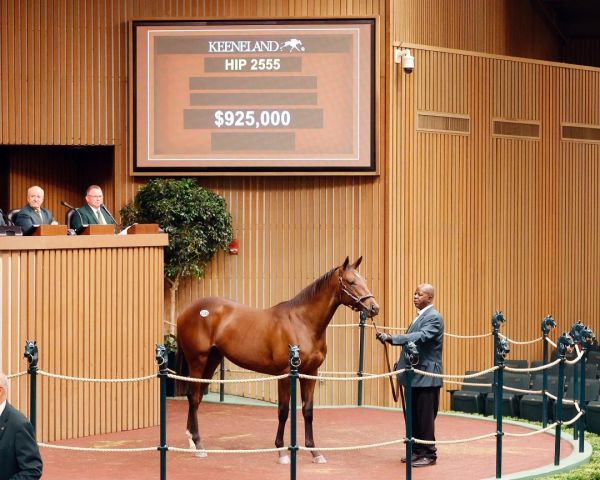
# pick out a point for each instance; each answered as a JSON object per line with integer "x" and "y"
{"x": 331, "y": 168}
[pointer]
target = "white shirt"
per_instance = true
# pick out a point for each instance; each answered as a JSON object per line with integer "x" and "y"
{"x": 2, "y": 407}
{"x": 421, "y": 312}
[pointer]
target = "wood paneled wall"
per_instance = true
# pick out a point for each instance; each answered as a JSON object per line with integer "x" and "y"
{"x": 463, "y": 212}
{"x": 507, "y": 27}
{"x": 495, "y": 223}
{"x": 50, "y": 293}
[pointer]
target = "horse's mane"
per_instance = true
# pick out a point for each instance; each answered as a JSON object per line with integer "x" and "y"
{"x": 311, "y": 290}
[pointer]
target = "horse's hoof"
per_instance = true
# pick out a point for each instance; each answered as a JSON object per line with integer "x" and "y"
{"x": 283, "y": 460}
{"x": 319, "y": 459}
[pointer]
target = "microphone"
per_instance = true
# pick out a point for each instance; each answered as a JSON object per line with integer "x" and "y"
{"x": 103, "y": 207}
{"x": 71, "y": 207}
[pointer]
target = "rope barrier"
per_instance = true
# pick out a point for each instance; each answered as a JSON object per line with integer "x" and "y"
{"x": 347, "y": 325}
{"x": 102, "y": 450}
{"x": 247, "y": 380}
{"x": 97, "y": 380}
{"x": 488, "y": 385}
{"x": 518, "y": 390}
{"x": 330, "y": 376}
{"x": 439, "y": 375}
{"x": 530, "y": 434}
{"x": 551, "y": 342}
{"x": 467, "y": 336}
{"x": 349, "y": 379}
{"x": 355, "y": 447}
{"x": 460, "y": 440}
{"x": 574, "y": 419}
{"x": 532, "y": 369}
{"x": 246, "y": 372}
{"x": 517, "y": 342}
{"x": 256, "y": 450}
{"x": 579, "y": 356}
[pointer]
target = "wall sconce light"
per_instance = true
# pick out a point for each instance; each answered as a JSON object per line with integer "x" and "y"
{"x": 234, "y": 247}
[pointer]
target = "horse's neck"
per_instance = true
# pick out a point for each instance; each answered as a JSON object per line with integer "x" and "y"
{"x": 320, "y": 308}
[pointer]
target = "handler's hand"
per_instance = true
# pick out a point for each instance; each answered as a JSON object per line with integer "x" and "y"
{"x": 383, "y": 337}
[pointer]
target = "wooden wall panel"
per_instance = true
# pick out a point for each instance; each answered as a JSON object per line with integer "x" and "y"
{"x": 47, "y": 295}
{"x": 494, "y": 223}
{"x": 509, "y": 27}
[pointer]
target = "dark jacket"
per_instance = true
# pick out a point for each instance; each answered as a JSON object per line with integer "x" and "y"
{"x": 89, "y": 218}
{"x": 27, "y": 218}
{"x": 19, "y": 453}
{"x": 427, "y": 332}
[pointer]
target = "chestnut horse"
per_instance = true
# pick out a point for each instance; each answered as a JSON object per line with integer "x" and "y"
{"x": 258, "y": 340}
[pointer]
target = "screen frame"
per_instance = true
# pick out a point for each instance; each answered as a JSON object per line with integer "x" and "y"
{"x": 327, "y": 169}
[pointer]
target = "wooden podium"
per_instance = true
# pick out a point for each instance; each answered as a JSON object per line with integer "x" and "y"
{"x": 98, "y": 230}
{"x": 49, "y": 230}
{"x": 142, "y": 228}
{"x": 94, "y": 304}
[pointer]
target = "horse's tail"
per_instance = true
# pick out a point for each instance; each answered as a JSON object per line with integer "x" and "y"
{"x": 182, "y": 370}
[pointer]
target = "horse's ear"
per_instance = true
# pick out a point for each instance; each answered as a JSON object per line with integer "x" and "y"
{"x": 346, "y": 263}
{"x": 357, "y": 263}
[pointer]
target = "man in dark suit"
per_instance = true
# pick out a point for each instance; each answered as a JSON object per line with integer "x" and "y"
{"x": 427, "y": 332}
{"x": 33, "y": 214}
{"x": 2, "y": 219}
{"x": 94, "y": 213}
{"x": 19, "y": 453}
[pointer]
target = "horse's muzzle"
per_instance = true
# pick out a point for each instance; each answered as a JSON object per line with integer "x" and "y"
{"x": 372, "y": 310}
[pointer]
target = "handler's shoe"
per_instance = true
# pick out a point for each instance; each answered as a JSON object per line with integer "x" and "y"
{"x": 424, "y": 462}
{"x": 413, "y": 459}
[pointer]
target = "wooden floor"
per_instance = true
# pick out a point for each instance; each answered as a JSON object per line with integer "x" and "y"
{"x": 251, "y": 427}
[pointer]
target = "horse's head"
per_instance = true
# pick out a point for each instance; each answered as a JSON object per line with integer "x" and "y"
{"x": 354, "y": 291}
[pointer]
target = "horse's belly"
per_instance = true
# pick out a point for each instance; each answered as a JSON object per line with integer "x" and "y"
{"x": 258, "y": 364}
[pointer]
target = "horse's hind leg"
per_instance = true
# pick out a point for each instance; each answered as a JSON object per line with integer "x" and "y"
{"x": 204, "y": 367}
{"x": 283, "y": 391}
{"x": 307, "y": 388}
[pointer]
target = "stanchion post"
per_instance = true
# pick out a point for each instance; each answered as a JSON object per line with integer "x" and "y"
{"x": 162, "y": 361}
{"x": 584, "y": 337}
{"x": 577, "y": 385}
{"x": 361, "y": 355}
{"x": 547, "y": 324}
{"x": 32, "y": 356}
{"x": 222, "y": 377}
{"x": 502, "y": 350}
{"x": 294, "y": 360}
{"x": 411, "y": 356}
{"x": 580, "y": 423}
{"x": 564, "y": 342}
{"x": 497, "y": 320}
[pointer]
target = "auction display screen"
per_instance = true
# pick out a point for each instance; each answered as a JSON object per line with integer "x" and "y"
{"x": 272, "y": 96}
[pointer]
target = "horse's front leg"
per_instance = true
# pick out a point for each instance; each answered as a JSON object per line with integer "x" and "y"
{"x": 307, "y": 388}
{"x": 283, "y": 394}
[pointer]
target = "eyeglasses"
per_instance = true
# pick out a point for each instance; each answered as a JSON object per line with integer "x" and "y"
{"x": 96, "y": 196}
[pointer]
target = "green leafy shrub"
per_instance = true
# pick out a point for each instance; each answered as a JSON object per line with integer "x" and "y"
{"x": 196, "y": 219}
